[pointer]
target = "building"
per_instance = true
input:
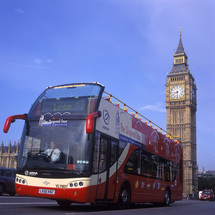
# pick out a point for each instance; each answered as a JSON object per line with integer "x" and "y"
{"x": 7, "y": 155}
{"x": 207, "y": 174}
{"x": 181, "y": 106}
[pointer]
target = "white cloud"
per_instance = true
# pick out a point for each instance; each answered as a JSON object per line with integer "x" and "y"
{"x": 157, "y": 108}
{"x": 42, "y": 61}
{"x": 18, "y": 10}
{"x": 49, "y": 61}
{"x": 38, "y": 61}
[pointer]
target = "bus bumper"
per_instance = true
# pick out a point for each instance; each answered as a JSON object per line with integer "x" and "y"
{"x": 79, "y": 195}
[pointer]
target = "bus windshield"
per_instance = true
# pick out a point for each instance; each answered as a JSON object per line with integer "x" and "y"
{"x": 55, "y": 135}
{"x": 55, "y": 147}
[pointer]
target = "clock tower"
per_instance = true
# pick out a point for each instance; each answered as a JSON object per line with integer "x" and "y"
{"x": 181, "y": 109}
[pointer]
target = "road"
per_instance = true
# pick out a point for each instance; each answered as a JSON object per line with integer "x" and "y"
{"x": 25, "y": 205}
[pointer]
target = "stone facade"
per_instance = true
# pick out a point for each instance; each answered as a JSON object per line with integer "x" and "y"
{"x": 181, "y": 106}
{"x": 7, "y": 155}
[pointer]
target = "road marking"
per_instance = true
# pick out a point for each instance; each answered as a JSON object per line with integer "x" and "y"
{"x": 29, "y": 203}
{"x": 17, "y": 197}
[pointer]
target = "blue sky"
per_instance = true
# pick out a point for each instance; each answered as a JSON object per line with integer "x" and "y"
{"x": 127, "y": 45}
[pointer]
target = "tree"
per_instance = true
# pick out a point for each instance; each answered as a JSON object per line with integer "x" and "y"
{"x": 206, "y": 183}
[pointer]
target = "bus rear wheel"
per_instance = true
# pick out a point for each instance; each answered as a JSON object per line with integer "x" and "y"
{"x": 124, "y": 197}
{"x": 166, "y": 198}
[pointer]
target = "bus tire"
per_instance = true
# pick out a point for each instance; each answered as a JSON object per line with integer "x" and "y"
{"x": 64, "y": 203}
{"x": 124, "y": 196}
{"x": 167, "y": 197}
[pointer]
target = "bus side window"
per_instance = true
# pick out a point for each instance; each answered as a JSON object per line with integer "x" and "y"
{"x": 171, "y": 170}
{"x": 96, "y": 153}
{"x": 162, "y": 171}
{"x": 145, "y": 165}
{"x": 113, "y": 158}
{"x": 103, "y": 155}
{"x": 133, "y": 165}
{"x": 167, "y": 171}
{"x": 175, "y": 168}
{"x": 154, "y": 166}
{"x": 122, "y": 145}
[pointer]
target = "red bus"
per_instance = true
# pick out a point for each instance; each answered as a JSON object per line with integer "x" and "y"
{"x": 78, "y": 145}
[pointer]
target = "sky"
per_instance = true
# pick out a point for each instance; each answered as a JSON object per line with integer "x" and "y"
{"x": 127, "y": 45}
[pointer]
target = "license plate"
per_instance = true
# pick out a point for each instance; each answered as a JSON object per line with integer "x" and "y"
{"x": 45, "y": 191}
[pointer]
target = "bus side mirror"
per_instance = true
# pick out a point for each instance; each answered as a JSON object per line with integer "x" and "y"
{"x": 12, "y": 119}
{"x": 90, "y": 121}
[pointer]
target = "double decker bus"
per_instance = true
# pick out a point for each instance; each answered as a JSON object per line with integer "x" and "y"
{"x": 103, "y": 153}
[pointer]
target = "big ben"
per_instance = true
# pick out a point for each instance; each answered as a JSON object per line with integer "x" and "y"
{"x": 181, "y": 106}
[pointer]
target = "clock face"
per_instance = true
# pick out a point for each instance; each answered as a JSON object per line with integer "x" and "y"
{"x": 177, "y": 92}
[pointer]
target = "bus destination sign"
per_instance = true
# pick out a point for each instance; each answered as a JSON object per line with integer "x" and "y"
{"x": 63, "y": 105}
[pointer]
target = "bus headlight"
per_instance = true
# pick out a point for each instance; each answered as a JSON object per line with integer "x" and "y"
{"x": 76, "y": 184}
{"x": 20, "y": 181}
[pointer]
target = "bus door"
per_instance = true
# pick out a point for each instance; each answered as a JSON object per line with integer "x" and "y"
{"x": 107, "y": 168}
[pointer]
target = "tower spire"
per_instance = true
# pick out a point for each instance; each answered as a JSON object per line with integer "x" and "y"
{"x": 180, "y": 49}
{"x": 180, "y": 64}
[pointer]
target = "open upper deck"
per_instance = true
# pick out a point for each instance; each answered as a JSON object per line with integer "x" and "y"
{"x": 109, "y": 97}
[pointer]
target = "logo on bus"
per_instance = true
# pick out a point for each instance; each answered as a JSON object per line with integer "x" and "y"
{"x": 106, "y": 116}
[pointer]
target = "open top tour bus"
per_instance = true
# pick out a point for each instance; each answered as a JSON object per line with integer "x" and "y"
{"x": 99, "y": 151}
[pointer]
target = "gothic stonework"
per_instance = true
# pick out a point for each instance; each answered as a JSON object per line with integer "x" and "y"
{"x": 181, "y": 109}
{"x": 7, "y": 155}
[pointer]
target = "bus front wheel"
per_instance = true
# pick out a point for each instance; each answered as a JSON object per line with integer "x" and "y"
{"x": 64, "y": 203}
{"x": 124, "y": 196}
